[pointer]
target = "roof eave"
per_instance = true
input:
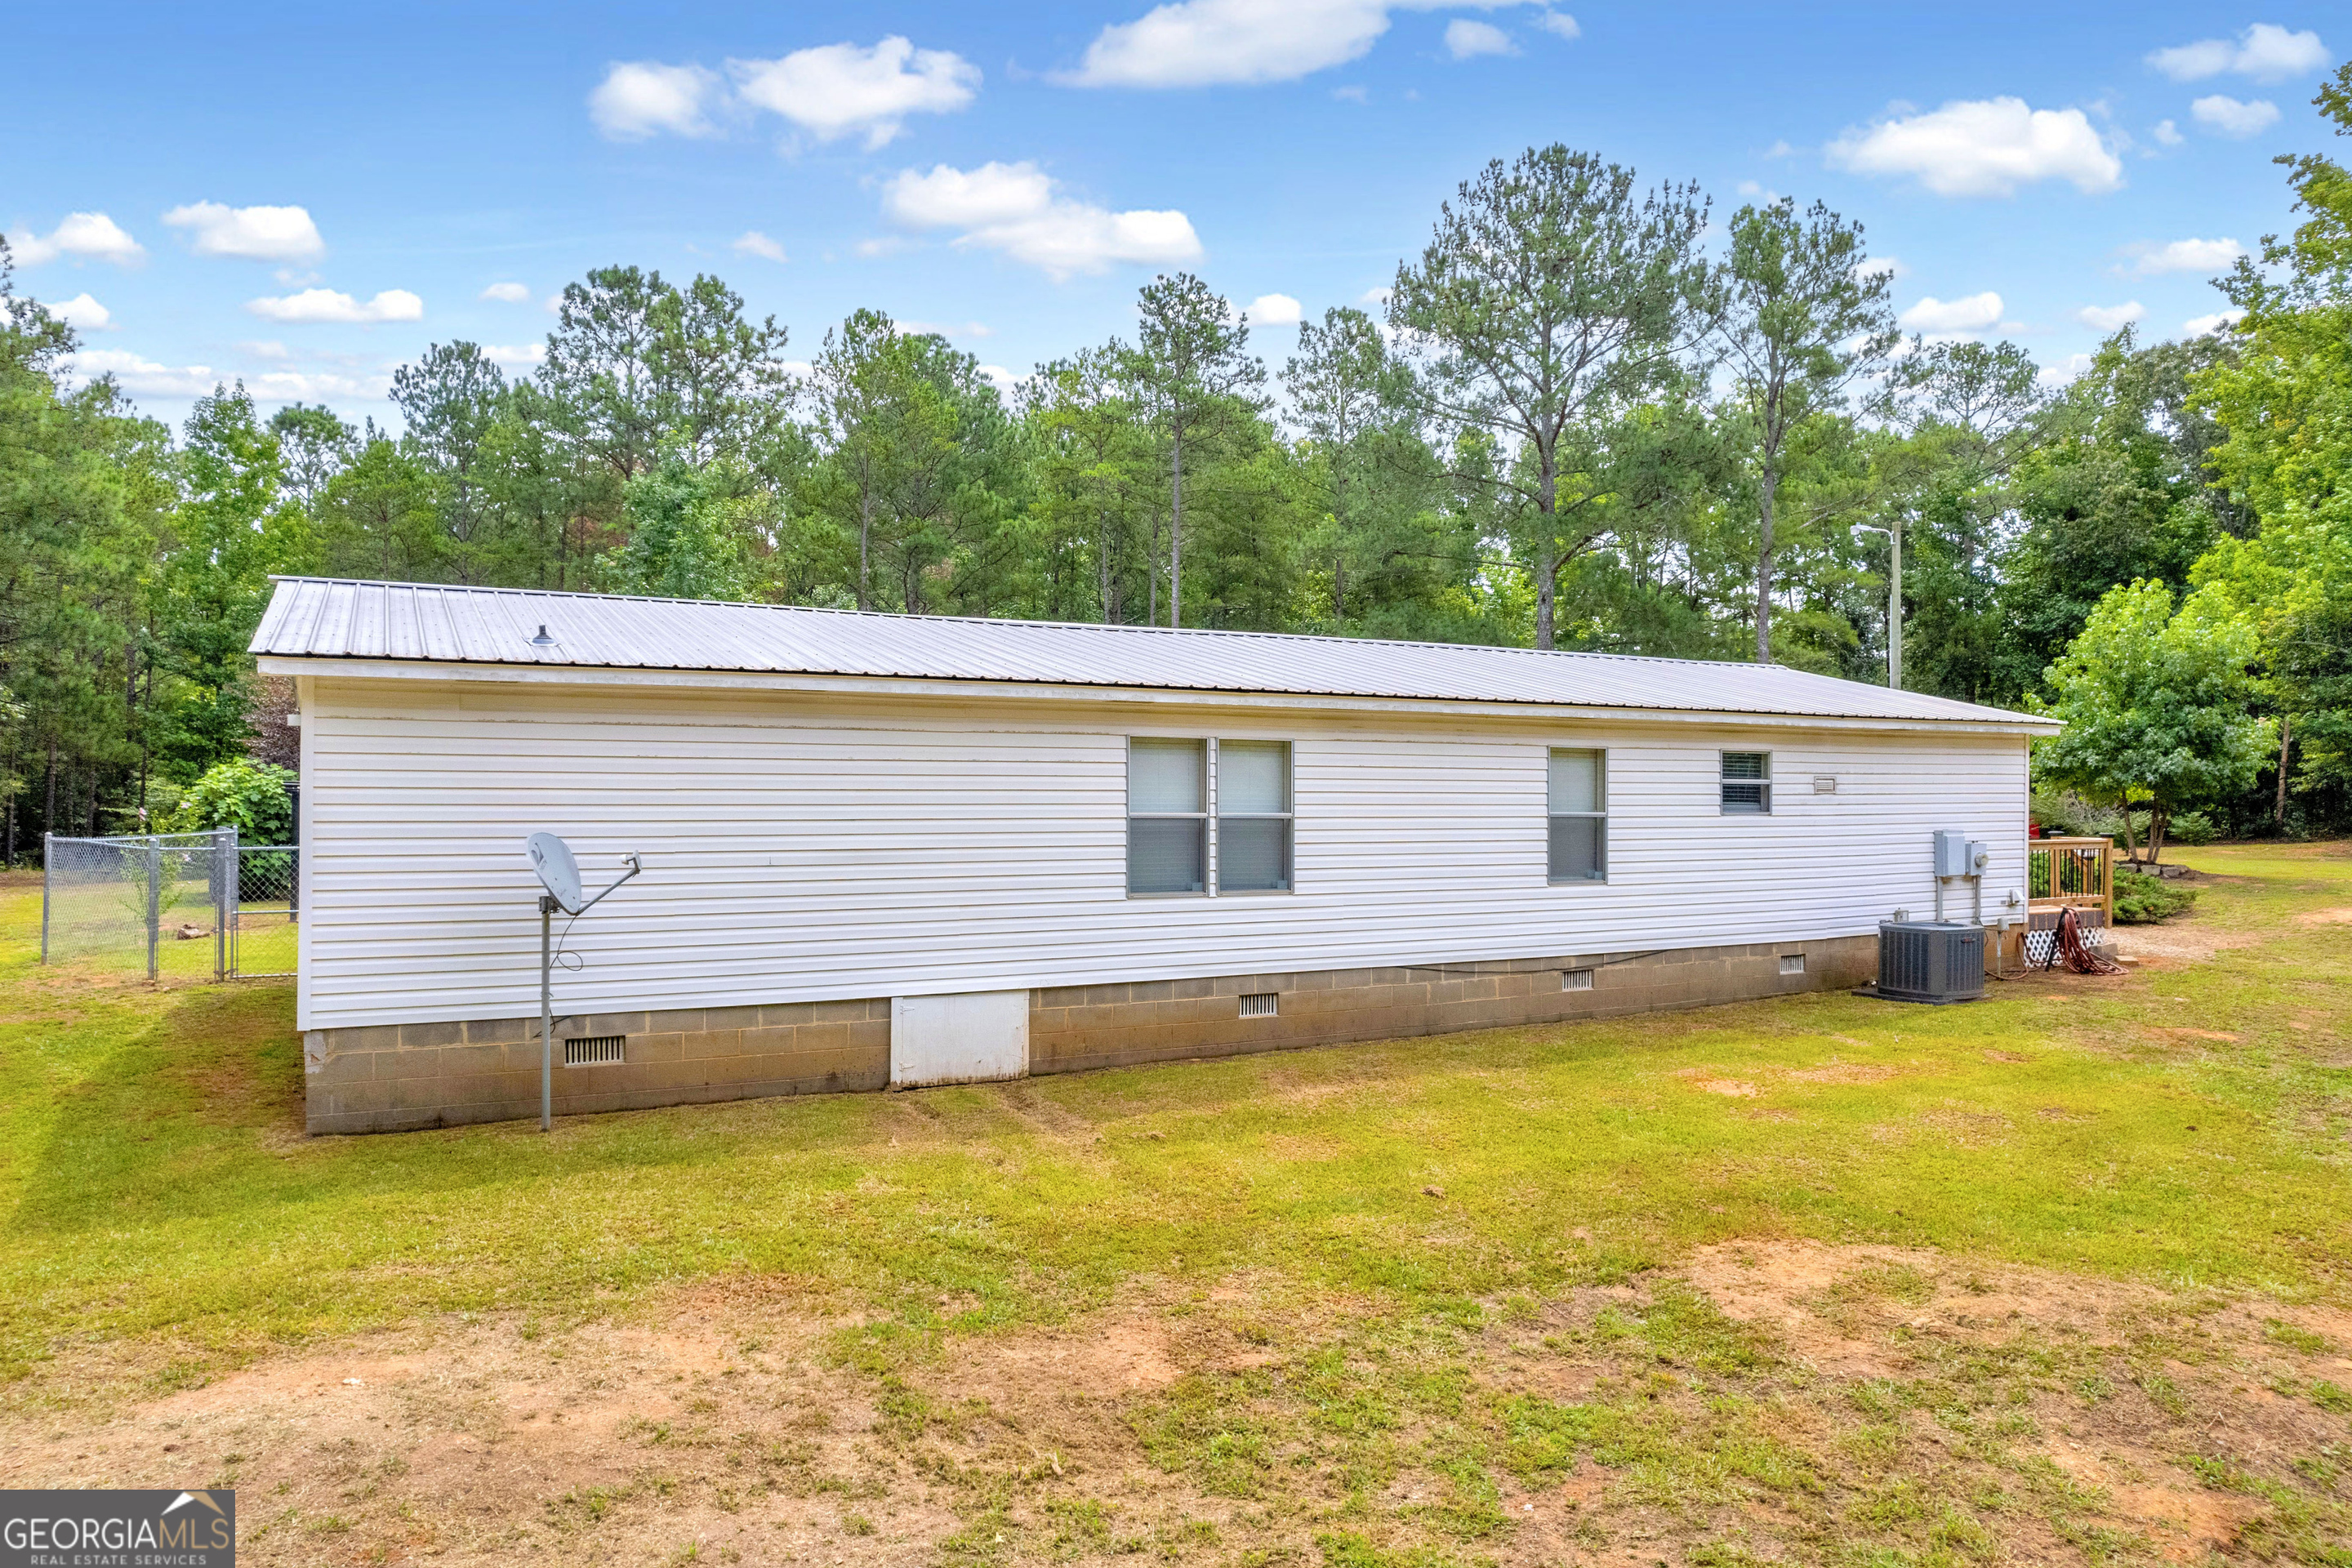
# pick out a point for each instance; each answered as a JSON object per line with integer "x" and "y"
{"x": 1993, "y": 721}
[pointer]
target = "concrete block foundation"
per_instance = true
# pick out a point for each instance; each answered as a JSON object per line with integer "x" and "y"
{"x": 398, "y": 1078}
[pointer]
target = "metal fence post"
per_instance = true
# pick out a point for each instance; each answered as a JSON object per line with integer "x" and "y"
{"x": 226, "y": 894}
{"x": 45, "y": 837}
{"x": 154, "y": 898}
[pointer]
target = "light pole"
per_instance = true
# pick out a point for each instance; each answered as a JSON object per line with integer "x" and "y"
{"x": 1894, "y": 531}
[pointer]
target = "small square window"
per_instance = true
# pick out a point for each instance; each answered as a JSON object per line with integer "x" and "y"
{"x": 1793, "y": 963}
{"x": 1747, "y": 783}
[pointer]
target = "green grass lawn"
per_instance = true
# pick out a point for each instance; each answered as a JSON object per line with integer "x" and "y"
{"x": 1392, "y": 1209}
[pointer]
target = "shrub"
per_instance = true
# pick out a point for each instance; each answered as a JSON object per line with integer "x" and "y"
{"x": 2142, "y": 899}
{"x": 2192, "y": 827}
{"x": 242, "y": 793}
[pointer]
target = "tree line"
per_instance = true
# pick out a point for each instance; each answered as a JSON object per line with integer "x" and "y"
{"x": 1570, "y": 422}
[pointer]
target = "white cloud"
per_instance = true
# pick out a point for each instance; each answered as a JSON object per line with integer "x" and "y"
{"x": 1881, "y": 267}
{"x": 514, "y": 356}
{"x": 1203, "y": 43}
{"x": 302, "y": 386}
{"x": 639, "y": 98}
{"x": 2058, "y": 372}
{"x": 2167, "y": 134}
{"x": 254, "y": 234}
{"x": 1273, "y": 311}
{"x": 751, "y": 242}
{"x": 1467, "y": 39}
{"x": 1560, "y": 24}
{"x": 268, "y": 348}
{"x": 1352, "y": 94}
{"x": 135, "y": 373}
{"x": 2197, "y": 326}
{"x": 509, "y": 293}
{"x": 2183, "y": 256}
{"x": 839, "y": 89}
{"x": 91, "y": 235}
{"x": 1973, "y": 314}
{"x": 2264, "y": 51}
{"x": 2108, "y": 318}
{"x": 1982, "y": 148}
{"x": 1374, "y": 295}
{"x": 2231, "y": 117}
{"x": 1004, "y": 380}
{"x": 81, "y": 312}
{"x": 331, "y": 305}
{"x": 1013, "y": 207}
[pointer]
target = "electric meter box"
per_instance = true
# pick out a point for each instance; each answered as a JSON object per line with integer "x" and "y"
{"x": 1952, "y": 854}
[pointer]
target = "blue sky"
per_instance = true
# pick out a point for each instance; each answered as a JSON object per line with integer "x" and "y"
{"x": 307, "y": 196}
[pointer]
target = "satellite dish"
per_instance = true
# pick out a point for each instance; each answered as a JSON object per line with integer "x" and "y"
{"x": 558, "y": 873}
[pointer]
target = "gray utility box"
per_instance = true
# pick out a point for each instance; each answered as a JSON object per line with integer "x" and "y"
{"x": 1930, "y": 961}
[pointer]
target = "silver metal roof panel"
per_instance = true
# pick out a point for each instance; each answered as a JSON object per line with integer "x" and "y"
{"x": 310, "y": 617}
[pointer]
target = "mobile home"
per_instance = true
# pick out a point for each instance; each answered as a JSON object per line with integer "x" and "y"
{"x": 889, "y": 850}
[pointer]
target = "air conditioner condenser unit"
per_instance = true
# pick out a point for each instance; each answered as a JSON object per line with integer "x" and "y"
{"x": 1930, "y": 961}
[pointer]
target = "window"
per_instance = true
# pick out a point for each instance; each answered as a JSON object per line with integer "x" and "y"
{"x": 1580, "y": 815}
{"x": 1747, "y": 783}
{"x": 1170, "y": 787}
{"x": 1793, "y": 963}
{"x": 1253, "y": 817}
{"x": 1167, "y": 816}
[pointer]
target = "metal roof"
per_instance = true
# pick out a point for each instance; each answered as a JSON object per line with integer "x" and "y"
{"x": 311, "y": 617}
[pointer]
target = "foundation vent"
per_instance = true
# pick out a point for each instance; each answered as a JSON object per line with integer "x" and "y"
{"x": 1260, "y": 1004}
{"x": 594, "y": 1050}
{"x": 1793, "y": 963}
{"x": 1576, "y": 980}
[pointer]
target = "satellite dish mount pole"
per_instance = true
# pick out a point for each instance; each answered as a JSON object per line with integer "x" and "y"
{"x": 546, "y": 1012}
{"x": 558, "y": 878}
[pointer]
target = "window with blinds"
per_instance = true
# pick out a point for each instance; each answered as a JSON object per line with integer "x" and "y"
{"x": 1747, "y": 783}
{"x": 1579, "y": 815}
{"x": 1167, "y": 816}
{"x": 1208, "y": 816}
{"x": 1253, "y": 817}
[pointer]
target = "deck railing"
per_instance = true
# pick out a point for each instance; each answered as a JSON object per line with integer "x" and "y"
{"x": 2077, "y": 872}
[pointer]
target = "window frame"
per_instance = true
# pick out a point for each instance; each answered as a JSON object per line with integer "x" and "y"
{"x": 1204, "y": 818}
{"x": 1289, "y": 818}
{"x": 1762, "y": 783}
{"x": 1599, "y": 756}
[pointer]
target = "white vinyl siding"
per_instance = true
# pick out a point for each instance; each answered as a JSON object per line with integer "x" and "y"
{"x": 1576, "y": 846}
{"x": 802, "y": 848}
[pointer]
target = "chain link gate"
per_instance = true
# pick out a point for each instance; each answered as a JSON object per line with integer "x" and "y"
{"x": 171, "y": 905}
{"x": 264, "y": 925}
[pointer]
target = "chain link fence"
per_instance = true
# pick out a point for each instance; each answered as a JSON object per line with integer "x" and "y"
{"x": 263, "y": 927}
{"x": 190, "y": 906}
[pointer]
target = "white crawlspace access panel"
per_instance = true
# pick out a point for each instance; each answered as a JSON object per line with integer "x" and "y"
{"x": 974, "y": 1037}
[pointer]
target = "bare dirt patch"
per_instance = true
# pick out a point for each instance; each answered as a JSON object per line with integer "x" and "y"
{"x": 2340, "y": 915}
{"x": 733, "y": 1422}
{"x": 2177, "y": 941}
